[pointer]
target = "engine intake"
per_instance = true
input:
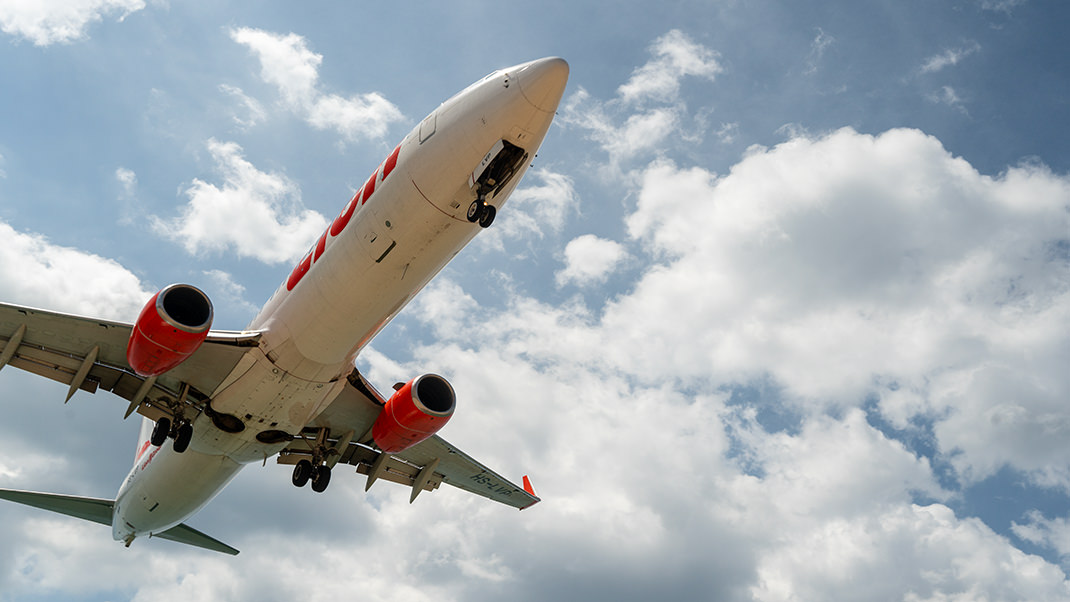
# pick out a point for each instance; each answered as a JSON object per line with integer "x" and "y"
{"x": 415, "y": 412}
{"x": 170, "y": 328}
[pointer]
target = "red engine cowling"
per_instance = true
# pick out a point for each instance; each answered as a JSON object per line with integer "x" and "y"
{"x": 172, "y": 325}
{"x": 415, "y": 412}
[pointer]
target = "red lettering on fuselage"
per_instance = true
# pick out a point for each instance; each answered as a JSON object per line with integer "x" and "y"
{"x": 391, "y": 162}
{"x": 320, "y": 246}
{"x": 343, "y": 219}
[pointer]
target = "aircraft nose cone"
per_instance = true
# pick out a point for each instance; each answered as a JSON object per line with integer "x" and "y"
{"x": 542, "y": 82}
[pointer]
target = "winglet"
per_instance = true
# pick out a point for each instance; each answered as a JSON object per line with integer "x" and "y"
{"x": 528, "y": 487}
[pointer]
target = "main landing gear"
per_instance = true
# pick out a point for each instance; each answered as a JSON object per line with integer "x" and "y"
{"x": 181, "y": 431}
{"x": 304, "y": 472}
{"x": 480, "y": 211}
{"x": 316, "y": 468}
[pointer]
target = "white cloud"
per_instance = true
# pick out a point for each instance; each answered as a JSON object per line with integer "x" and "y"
{"x": 127, "y": 179}
{"x": 633, "y": 135}
{"x": 911, "y": 553}
{"x": 840, "y": 263}
{"x": 675, "y": 57}
{"x": 948, "y": 96}
{"x": 1049, "y": 533}
{"x": 818, "y": 46}
{"x": 46, "y": 22}
{"x": 589, "y": 260}
{"x": 253, "y": 213}
{"x": 252, "y": 112}
{"x": 948, "y": 58}
{"x": 288, "y": 64}
{"x": 228, "y": 291}
{"x": 38, "y": 273}
{"x": 1001, "y": 5}
{"x": 538, "y": 209}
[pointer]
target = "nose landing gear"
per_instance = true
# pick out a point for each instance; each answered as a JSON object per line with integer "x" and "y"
{"x": 480, "y": 211}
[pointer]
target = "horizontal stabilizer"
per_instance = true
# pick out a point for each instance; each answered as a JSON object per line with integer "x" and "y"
{"x": 188, "y": 535}
{"x": 100, "y": 511}
{"x": 85, "y": 508}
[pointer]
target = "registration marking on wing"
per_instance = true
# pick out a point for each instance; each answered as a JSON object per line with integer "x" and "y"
{"x": 492, "y": 485}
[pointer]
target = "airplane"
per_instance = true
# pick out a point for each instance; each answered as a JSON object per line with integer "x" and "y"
{"x": 287, "y": 385}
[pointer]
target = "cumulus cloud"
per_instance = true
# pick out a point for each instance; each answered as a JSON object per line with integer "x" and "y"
{"x": 675, "y": 56}
{"x": 47, "y": 22}
{"x": 39, "y": 273}
{"x": 1049, "y": 533}
{"x": 287, "y": 63}
{"x": 589, "y": 260}
{"x": 626, "y": 132}
{"x": 252, "y": 213}
{"x": 539, "y": 207}
{"x": 936, "y": 557}
{"x": 839, "y": 263}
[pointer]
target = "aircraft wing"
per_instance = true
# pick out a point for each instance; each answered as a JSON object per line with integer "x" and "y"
{"x": 423, "y": 467}
{"x": 90, "y": 354}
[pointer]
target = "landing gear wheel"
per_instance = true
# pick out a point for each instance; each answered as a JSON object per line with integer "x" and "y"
{"x": 160, "y": 432}
{"x": 302, "y": 473}
{"x": 476, "y": 210}
{"x": 321, "y": 477}
{"x": 487, "y": 217}
{"x": 183, "y": 437}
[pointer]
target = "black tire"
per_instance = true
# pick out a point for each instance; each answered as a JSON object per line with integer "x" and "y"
{"x": 160, "y": 432}
{"x": 487, "y": 218}
{"x": 302, "y": 473}
{"x": 321, "y": 477}
{"x": 183, "y": 437}
{"x": 475, "y": 211}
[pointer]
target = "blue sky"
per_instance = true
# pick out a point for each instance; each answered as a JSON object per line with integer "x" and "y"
{"x": 779, "y": 314}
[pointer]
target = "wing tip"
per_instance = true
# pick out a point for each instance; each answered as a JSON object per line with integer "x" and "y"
{"x": 530, "y": 491}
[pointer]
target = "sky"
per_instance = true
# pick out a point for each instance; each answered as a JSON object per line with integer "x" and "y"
{"x": 780, "y": 313}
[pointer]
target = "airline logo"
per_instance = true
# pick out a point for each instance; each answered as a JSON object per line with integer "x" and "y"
{"x": 340, "y": 222}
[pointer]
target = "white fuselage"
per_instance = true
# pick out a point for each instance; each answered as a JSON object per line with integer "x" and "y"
{"x": 359, "y": 276}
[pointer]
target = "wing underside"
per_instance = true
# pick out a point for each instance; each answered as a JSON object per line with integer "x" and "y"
{"x": 90, "y": 354}
{"x": 423, "y": 467}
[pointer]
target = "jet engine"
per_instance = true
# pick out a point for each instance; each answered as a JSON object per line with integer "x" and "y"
{"x": 416, "y": 411}
{"x": 171, "y": 326}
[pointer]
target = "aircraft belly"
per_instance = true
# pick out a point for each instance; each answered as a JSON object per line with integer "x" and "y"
{"x": 269, "y": 402}
{"x": 171, "y": 488}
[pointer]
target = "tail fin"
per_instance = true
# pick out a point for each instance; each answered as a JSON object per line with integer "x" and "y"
{"x": 100, "y": 511}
